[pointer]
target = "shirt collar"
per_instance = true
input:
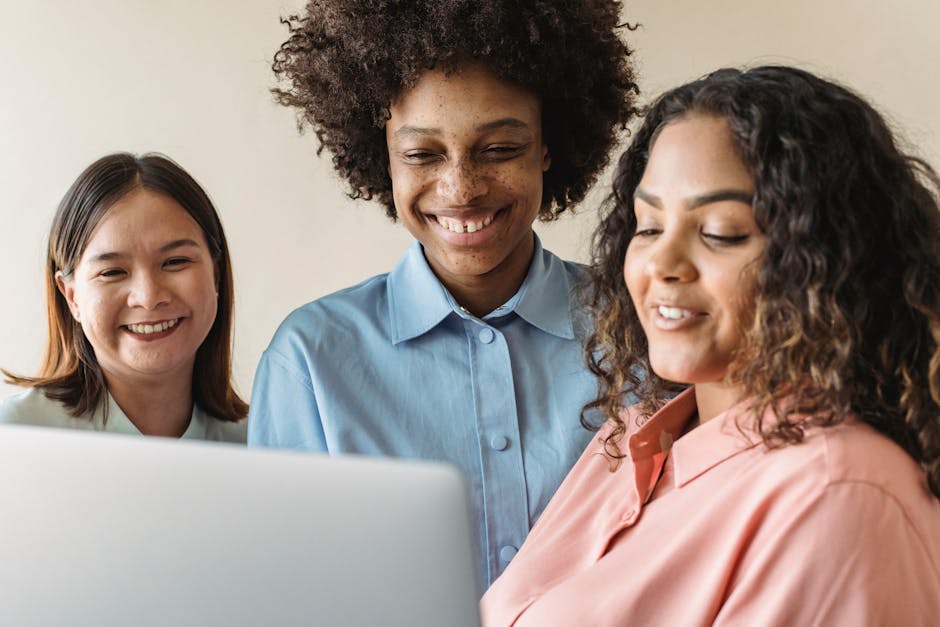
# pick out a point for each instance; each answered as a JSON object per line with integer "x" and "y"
{"x": 544, "y": 299}
{"x": 699, "y": 450}
{"x": 418, "y": 301}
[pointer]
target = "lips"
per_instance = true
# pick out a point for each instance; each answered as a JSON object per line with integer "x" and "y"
{"x": 467, "y": 224}
{"x": 674, "y": 313}
{"x": 673, "y": 317}
{"x": 152, "y": 328}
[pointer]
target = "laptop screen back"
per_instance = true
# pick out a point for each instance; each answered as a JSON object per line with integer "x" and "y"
{"x": 109, "y": 530}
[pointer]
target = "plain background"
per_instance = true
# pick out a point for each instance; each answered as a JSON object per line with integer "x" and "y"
{"x": 82, "y": 78}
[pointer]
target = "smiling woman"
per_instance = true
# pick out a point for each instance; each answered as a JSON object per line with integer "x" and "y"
{"x": 770, "y": 249}
{"x": 466, "y": 123}
{"x": 139, "y": 301}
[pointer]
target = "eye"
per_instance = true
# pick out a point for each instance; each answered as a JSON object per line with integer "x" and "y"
{"x": 112, "y": 273}
{"x": 501, "y": 152}
{"x": 418, "y": 157}
{"x": 646, "y": 228}
{"x": 177, "y": 263}
{"x": 725, "y": 240}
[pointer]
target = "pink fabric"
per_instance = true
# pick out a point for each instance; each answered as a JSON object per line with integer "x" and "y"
{"x": 837, "y": 530}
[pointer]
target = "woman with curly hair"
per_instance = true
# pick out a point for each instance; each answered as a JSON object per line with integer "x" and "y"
{"x": 467, "y": 120}
{"x": 768, "y": 245}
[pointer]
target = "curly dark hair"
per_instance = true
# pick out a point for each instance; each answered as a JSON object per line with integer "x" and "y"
{"x": 847, "y": 300}
{"x": 346, "y": 60}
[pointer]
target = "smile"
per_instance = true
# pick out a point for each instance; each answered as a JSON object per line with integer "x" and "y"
{"x": 466, "y": 226}
{"x": 148, "y": 329}
{"x": 674, "y": 313}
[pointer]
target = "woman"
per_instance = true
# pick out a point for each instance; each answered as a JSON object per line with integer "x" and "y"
{"x": 139, "y": 305}
{"x": 464, "y": 121}
{"x": 768, "y": 245}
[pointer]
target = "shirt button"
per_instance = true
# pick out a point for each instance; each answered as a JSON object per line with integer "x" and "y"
{"x": 499, "y": 442}
{"x": 507, "y": 553}
{"x": 486, "y": 335}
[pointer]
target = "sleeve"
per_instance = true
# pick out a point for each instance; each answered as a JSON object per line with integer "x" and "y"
{"x": 851, "y": 557}
{"x": 283, "y": 411}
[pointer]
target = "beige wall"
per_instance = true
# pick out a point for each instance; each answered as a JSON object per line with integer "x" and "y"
{"x": 85, "y": 77}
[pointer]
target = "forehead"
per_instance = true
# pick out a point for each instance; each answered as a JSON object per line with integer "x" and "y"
{"x": 142, "y": 219}
{"x": 472, "y": 94}
{"x": 693, "y": 154}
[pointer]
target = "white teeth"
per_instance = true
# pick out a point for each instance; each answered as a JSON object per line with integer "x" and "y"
{"x": 673, "y": 313}
{"x": 147, "y": 329}
{"x": 471, "y": 226}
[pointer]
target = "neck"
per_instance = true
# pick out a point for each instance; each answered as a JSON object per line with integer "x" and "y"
{"x": 162, "y": 407}
{"x": 481, "y": 300}
{"x": 712, "y": 399}
{"x": 481, "y": 294}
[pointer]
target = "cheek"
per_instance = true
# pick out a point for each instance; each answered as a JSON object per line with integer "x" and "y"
{"x": 405, "y": 192}
{"x": 98, "y": 318}
{"x": 95, "y": 306}
{"x": 633, "y": 272}
{"x": 201, "y": 293}
{"x": 530, "y": 177}
{"x": 740, "y": 294}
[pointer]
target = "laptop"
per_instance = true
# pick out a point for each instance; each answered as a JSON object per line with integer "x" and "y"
{"x": 107, "y": 530}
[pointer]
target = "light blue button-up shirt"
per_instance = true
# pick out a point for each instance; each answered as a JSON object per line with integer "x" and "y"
{"x": 393, "y": 366}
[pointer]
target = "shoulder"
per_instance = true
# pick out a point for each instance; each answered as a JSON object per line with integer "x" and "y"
{"x": 857, "y": 454}
{"x": 330, "y": 327}
{"x": 332, "y": 318}
{"x": 851, "y": 452}
{"x": 352, "y": 305}
{"x": 850, "y": 471}
{"x": 33, "y": 407}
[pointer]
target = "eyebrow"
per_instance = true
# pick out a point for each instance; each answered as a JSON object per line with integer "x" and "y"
{"x": 175, "y": 244}
{"x": 695, "y": 202}
{"x": 488, "y": 126}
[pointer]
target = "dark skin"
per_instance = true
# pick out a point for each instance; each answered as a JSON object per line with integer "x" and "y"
{"x": 466, "y": 159}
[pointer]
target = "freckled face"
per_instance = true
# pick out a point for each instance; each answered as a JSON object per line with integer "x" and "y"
{"x": 687, "y": 268}
{"x": 466, "y": 160}
{"x": 144, "y": 289}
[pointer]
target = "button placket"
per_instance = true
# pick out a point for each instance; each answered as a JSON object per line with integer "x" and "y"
{"x": 506, "y": 500}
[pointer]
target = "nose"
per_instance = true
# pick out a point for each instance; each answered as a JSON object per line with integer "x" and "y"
{"x": 461, "y": 182}
{"x": 148, "y": 290}
{"x": 669, "y": 260}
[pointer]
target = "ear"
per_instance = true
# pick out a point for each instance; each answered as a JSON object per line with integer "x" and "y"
{"x": 67, "y": 289}
{"x": 546, "y": 159}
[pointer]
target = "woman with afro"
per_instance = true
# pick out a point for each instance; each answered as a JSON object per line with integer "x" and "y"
{"x": 467, "y": 120}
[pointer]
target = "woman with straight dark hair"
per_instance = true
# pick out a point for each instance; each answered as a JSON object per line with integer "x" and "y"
{"x": 139, "y": 302}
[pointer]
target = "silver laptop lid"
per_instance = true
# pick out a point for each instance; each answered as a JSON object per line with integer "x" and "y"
{"x": 106, "y": 530}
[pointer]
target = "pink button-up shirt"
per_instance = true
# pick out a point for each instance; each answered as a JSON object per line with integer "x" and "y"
{"x": 837, "y": 530}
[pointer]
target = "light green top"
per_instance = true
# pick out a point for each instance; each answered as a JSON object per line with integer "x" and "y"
{"x": 33, "y": 407}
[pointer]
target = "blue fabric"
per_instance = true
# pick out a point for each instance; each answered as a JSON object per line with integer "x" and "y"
{"x": 393, "y": 366}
